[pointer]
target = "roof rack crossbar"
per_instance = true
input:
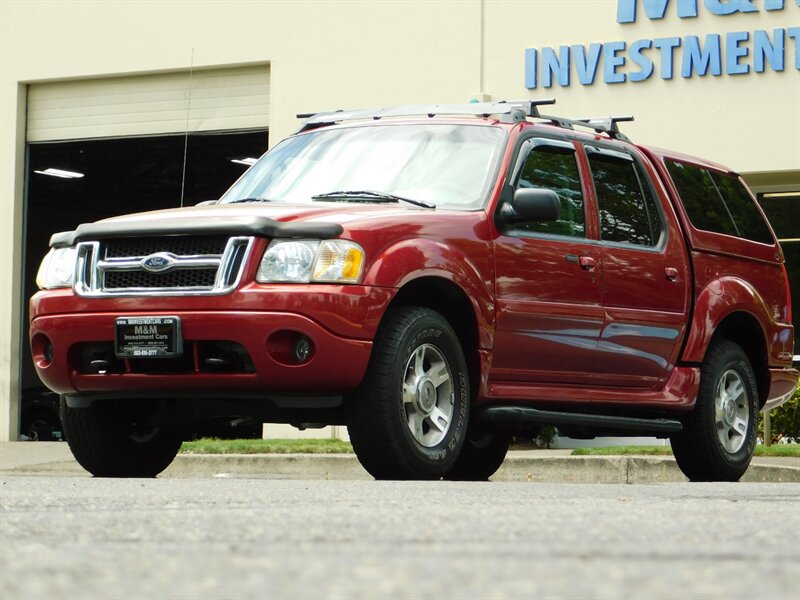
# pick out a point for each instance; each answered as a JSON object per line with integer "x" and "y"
{"x": 606, "y": 125}
{"x": 523, "y": 109}
{"x": 533, "y": 111}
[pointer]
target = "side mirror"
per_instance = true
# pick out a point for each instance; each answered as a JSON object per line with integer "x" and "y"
{"x": 532, "y": 204}
{"x": 206, "y": 202}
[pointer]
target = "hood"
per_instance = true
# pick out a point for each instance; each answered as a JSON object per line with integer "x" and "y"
{"x": 318, "y": 220}
{"x": 318, "y": 212}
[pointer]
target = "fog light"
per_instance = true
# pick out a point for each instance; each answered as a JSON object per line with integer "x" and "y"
{"x": 290, "y": 348}
{"x": 42, "y": 350}
{"x": 302, "y": 350}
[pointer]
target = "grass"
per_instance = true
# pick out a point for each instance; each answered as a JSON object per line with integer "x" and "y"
{"x": 774, "y": 450}
{"x": 307, "y": 446}
{"x": 330, "y": 446}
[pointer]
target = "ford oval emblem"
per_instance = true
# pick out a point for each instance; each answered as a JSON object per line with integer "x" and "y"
{"x": 156, "y": 263}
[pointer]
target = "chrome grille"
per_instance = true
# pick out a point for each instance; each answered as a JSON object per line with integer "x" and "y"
{"x": 236, "y": 265}
{"x": 168, "y": 265}
{"x": 173, "y": 279}
{"x": 181, "y": 245}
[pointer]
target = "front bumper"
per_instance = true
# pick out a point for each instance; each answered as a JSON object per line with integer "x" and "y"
{"x": 66, "y": 332}
{"x": 336, "y": 365}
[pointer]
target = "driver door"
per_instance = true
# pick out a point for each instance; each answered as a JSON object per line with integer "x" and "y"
{"x": 548, "y": 277}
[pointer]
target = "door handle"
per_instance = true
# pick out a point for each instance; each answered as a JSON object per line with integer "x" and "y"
{"x": 671, "y": 273}
{"x": 587, "y": 263}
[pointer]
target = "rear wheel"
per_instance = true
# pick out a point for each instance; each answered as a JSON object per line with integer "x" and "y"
{"x": 109, "y": 439}
{"x": 409, "y": 418}
{"x": 719, "y": 436}
{"x": 41, "y": 426}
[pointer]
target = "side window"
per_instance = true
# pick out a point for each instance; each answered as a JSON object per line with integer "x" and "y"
{"x": 559, "y": 173}
{"x": 748, "y": 220}
{"x": 703, "y": 204}
{"x": 625, "y": 201}
{"x": 718, "y": 203}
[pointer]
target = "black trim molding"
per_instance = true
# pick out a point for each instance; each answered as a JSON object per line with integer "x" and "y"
{"x": 245, "y": 225}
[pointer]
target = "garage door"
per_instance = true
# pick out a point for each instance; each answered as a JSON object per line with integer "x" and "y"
{"x": 201, "y": 100}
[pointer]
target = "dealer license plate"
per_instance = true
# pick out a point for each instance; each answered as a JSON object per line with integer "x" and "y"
{"x": 148, "y": 337}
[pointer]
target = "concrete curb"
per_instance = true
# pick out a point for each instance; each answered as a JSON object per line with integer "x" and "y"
{"x": 542, "y": 469}
{"x": 280, "y": 466}
{"x": 621, "y": 469}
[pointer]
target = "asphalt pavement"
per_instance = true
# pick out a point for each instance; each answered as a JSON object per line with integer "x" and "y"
{"x": 186, "y": 538}
{"x": 542, "y": 466}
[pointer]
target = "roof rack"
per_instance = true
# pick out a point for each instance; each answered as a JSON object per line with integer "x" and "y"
{"x": 607, "y": 125}
{"x": 479, "y": 109}
{"x": 509, "y": 112}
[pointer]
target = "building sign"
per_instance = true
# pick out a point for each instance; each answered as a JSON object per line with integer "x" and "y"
{"x": 733, "y": 53}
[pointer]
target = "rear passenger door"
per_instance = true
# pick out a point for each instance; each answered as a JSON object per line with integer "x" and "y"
{"x": 645, "y": 270}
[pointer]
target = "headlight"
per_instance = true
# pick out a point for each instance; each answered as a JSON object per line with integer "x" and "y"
{"x": 334, "y": 261}
{"x": 57, "y": 269}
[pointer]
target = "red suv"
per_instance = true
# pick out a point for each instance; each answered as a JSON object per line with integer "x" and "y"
{"x": 437, "y": 278}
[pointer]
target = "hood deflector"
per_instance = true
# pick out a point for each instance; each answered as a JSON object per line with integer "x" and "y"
{"x": 245, "y": 225}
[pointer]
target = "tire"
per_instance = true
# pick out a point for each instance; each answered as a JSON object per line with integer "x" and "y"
{"x": 40, "y": 425}
{"x": 409, "y": 418}
{"x": 719, "y": 437}
{"x": 483, "y": 453}
{"x": 106, "y": 441}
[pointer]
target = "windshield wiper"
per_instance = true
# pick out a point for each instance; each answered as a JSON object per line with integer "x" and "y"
{"x": 369, "y": 196}
{"x": 250, "y": 199}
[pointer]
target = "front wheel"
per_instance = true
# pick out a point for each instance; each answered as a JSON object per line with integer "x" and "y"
{"x": 719, "y": 436}
{"x": 109, "y": 439}
{"x": 409, "y": 418}
{"x": 481, "y": 456}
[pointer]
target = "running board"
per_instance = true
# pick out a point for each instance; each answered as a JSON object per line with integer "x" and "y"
{"x": 514, "y": 415}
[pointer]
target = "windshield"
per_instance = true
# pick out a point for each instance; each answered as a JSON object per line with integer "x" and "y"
{"x": 449, "y": 166}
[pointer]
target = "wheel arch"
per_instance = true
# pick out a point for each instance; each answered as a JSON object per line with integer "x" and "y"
{"x": 730, "y": 308}
{"x": 454, "y": 280}
{"x": 743, "y": 329}
{"x": 453, "y": 303}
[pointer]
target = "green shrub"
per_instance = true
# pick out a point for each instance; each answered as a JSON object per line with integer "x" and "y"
{"x": 785, "y": 420}
{"x": 547, "y": 437}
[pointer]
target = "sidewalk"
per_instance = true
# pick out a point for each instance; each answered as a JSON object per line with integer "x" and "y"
{"x": 550, "y": 466}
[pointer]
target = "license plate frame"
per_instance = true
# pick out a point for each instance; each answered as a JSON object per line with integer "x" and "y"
{"x": 148, "y": 337}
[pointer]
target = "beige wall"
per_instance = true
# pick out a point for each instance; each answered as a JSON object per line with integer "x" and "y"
{"x": 750, "y": 123}
{"x": 326, "y": 55}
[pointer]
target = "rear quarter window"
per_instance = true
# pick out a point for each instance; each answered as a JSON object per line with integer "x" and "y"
{"x": 718, "y": 203}
{"x": 746, "y": 216}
